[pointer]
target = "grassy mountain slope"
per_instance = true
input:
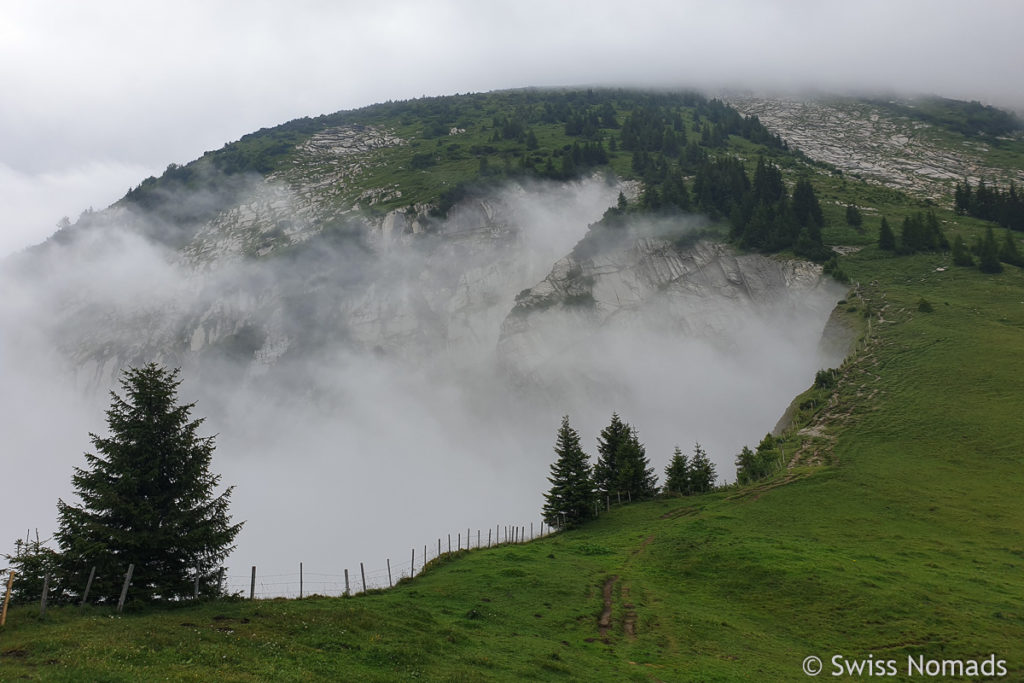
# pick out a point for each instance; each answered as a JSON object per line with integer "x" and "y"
{"x": 910, "y": 543}
{"x": 898, "y": 533}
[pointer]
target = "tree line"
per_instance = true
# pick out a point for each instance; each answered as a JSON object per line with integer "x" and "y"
{"x": 623, "y": 471}
{"x": 1005, "y": 207}
{"x": 920, "y": 232}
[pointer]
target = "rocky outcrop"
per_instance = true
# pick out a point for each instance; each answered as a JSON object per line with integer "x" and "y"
{"x": 316, "y": 191}
{"x": 384, "y": 285}
{"x": 696, "y": 291}
{"x": 860, "y": 138}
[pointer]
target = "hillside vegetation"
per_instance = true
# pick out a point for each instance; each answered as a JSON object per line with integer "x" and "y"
{"x": 895, "y": 532}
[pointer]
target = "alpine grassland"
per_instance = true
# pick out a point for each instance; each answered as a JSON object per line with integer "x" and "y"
{"x": 895, "y": 531}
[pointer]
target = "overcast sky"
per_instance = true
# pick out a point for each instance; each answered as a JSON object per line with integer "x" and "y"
{"x": 98, "y": 95}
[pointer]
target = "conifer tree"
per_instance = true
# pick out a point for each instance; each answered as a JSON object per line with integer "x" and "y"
{"x": 746, "y": 466}
{"x": 702, "y": 471}
{"x": 570, "y": 499}
{"x": 961, "y": 255}
{"x": 677, "y": 474}
{"x": 1008, "y": 252}
{"x": 636, "y": 477}
{"x": 989, "y": 256}
{"x": 854, "y": 218}
{"x": 886, "y": 237}
{"x": 622, "y": 466}
{"x": 607, "y": 471}
{"x": 148, "y": 498}
{"x": 806, "y": 207}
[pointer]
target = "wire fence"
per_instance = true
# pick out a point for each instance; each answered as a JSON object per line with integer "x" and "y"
{"x": 359, "y": 579}
{"x": 351, "y": 581}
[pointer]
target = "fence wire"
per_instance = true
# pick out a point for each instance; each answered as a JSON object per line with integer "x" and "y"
{"x": 307, "y": 583}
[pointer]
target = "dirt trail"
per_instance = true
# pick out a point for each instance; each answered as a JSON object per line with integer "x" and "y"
{"x": 605, "y": 622}
{"x": 629, "y": 620}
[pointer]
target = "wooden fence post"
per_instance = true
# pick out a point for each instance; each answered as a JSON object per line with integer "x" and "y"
{"x": 88, "y": 585}
{"x": 478, "y": 538}
{"x": 467, "y": 538}
{"x": 300, "y": 580}
{"x": 363, "y": 572}
{"x": 449, "y": 542}
{"x": 488, "y": 538}
{"x": 7, "y": 597}
{"x": 390, "y": 584}
{"x": 124, "y": 588}
{"x": 459, "y": 541}
{"x": 252, "y": 584}
{"x": 412, "y": 565}
{"x": 346, "y": 582}
{"x": 42, "y": 599}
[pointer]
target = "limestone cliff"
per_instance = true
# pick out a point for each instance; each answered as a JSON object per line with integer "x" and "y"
{"x": 697, "y": 291}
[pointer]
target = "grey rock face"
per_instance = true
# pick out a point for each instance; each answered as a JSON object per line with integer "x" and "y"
{"x": 860, "y": 138}
{"x": 701, "y": 291}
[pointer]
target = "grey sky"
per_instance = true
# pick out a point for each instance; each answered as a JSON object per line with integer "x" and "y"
{"x": 98, "y": 95}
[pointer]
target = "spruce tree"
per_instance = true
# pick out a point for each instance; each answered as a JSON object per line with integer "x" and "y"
{"x": 636, "y": 476}
{"x": 570, "y": 500}
{"x": 806, "y": 207}
{"x": 1008, "y": 252}
{"x": 961, "y": 255}
{"x": 148, "y": 498}
{"x": 886, "y": 237}
{"x": 746, "y": 466}
{"x": 854, "y": 218}
{"x": 989, "y": 256}
{"x": 702, "y": 471}
{"x": 607, "y": 470}
{"x": 677, "y": 474}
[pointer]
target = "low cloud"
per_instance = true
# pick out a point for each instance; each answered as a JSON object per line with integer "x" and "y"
{"x": 364, "y": 431}
{"x": 34, "y": 202}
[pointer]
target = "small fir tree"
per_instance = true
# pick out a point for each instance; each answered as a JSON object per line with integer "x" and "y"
{"x": 854, "y": 218}
{"x": 148, "y": 498}
{"x": 989, "y": 256}
{"x": 622, "y": 466}
{"x": 746, "y": 466}
{"x": 886, "y": 237}
{"x": 677, "y": 474}
{"x": 31, "y": 563}
{"x": 806, "y": 208}
{"x": 702, "y": 471}
{"x": 636, "y": 476}
{"x": 607, "y": 470}
{"x": 961, "y": 255}
{"x": 1008, "y": 252}
{"x": 570, "y": 500}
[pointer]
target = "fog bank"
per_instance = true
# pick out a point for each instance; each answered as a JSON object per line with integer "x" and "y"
{"x": 360, "y": 406}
